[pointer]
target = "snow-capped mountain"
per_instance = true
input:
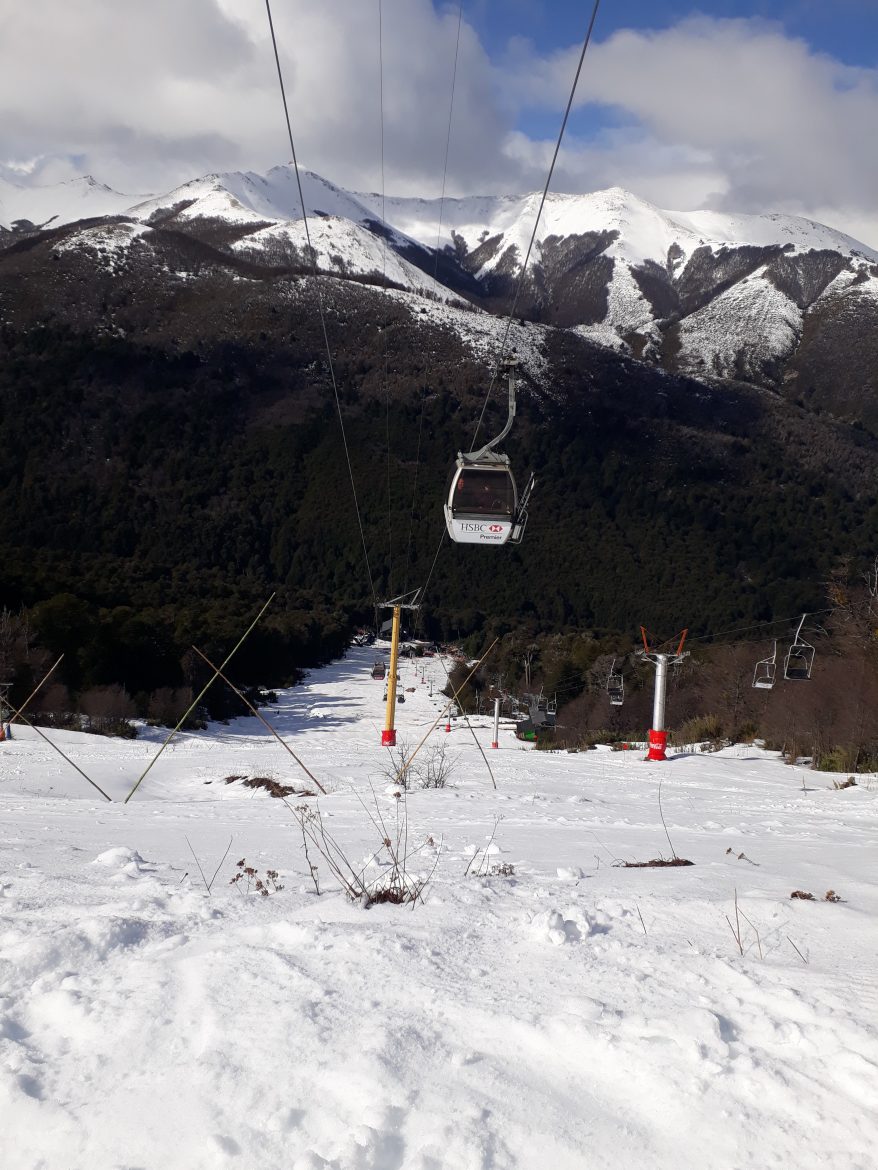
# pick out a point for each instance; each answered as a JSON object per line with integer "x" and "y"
{"x": 702, "y": 292}
{"x": 712, "y": 293}
{"x": 264, "y": 213}
{"x": 60, "y": 203}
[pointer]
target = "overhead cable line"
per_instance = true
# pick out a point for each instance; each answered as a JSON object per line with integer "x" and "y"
{"x": 571, "y": 682}
{"x": 521, "y": 275}
{"x": 319, "y": 298}
{"x": 384, "y": 325}
{"x": 503, "y": 346}
{"x": 435, "y": 278}
{"x": 760, "y": 626}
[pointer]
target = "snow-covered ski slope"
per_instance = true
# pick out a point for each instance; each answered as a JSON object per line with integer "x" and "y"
{"x": 571, "y": 1014}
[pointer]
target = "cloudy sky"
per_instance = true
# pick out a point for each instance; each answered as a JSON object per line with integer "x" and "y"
{"x": 733, "y": 104}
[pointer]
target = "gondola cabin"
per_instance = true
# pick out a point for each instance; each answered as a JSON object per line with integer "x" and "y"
{"x": 482, "y": 505}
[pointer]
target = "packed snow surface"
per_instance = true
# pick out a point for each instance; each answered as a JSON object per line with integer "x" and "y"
{"x": 544, "y": 1009}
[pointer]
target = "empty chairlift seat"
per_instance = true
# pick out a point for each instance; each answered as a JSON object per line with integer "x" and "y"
{"x": 765, "y": 674}
{"x": 800, "y": 657}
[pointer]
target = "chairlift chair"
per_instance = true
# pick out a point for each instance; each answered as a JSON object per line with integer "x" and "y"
{"x": 483, "y": 505}
{"x": 615, "y": 686}
{"x": 378, "y": 670}
{"x": 765, "y": 674}
{"x": 799, "y": 658}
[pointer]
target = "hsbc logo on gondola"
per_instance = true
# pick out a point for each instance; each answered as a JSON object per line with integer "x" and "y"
{"x": 480, "y": 526}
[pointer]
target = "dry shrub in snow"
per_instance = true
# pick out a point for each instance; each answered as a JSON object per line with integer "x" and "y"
{"x": 108, "y": 711}
{"x": 249, "y": 876}
{"x": 392, "y": 857}
{"x": 432, "y": 767}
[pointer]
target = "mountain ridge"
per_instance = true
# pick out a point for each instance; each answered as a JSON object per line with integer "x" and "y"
{"x": 764, "y": 298}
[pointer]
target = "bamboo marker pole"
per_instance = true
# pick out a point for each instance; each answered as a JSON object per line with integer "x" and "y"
{"x": 37, "y": 688}
{"x": 201, "y": 695}
{"x": 262, "y": 720}
{"x": 20, "y": 715}
{"x": 405, "y": 767}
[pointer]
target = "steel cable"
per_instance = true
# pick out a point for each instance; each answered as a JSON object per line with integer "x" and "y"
{"x": 319, "y": 298}
{"x": 533, "y": 236}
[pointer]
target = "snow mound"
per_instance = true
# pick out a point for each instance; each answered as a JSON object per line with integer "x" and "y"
{"x": 119, "y": 858}
{"x": 571, "y": 927}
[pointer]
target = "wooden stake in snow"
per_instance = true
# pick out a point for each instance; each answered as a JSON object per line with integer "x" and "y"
{"x": 261, "y": 719}
{"x": 20, "y": 715}
{"x": 200, "y": 696}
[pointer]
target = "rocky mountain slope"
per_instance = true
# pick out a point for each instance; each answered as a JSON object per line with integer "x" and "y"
{"x": 772, "y": 299}
{"x": 760, "y": 297}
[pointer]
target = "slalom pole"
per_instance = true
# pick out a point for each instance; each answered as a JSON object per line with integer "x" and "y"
{"x": 201, "y": 694}
{"x": 20, "y": 715}
{"x": 261, "y": 719}
{"x": 495, "y": 742}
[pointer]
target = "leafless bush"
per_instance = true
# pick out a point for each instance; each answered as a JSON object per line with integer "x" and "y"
{"x": 701, "y": 729}
{"x": 108, "y": 711}
{"x": 431, "y": 768}
{"x": 167, "y": 704}
{"x": 480, "y": 864}
{"x": 393, "y": 855}
{"x": 396, "y": 768}
{"x": 436, "y": 766}
{"x": 54, "y": 706}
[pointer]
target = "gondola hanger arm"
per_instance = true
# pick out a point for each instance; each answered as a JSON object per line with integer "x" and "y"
{"x": 509, "y": 366}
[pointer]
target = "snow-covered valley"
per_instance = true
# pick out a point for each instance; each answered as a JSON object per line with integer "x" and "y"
{"x": 551, "y": 1009}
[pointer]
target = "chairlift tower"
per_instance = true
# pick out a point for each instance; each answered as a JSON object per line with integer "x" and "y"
{"x": 397, "y": 605}
{"x": 658, "y": 736}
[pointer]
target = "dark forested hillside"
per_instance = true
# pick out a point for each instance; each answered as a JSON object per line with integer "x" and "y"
{"x": 171, "y": 454}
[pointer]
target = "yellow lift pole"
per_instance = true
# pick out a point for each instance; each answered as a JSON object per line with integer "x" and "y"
{"x": 388, "y": 735}
{"x": 398, "y": 604}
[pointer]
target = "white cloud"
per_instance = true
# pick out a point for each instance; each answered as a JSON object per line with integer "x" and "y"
{"x": 733, "y": 114}
{"x": 148, "y": 95}
{"x": 778, "y": 126}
